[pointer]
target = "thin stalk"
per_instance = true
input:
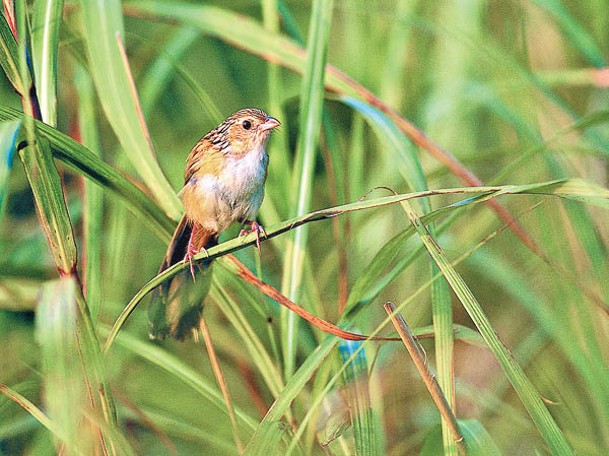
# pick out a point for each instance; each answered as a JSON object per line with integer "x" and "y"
{"x": 310, "y": 123}
{"x": 432, "y": 385}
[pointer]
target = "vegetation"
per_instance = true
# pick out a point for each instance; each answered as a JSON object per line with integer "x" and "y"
{"x": 452, "y": 157}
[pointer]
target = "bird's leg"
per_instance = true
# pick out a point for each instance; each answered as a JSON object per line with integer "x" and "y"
{"x": 255, "y": 227}
{"x": 192, "y": 250}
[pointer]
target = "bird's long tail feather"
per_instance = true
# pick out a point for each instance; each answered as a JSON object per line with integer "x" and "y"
{"x": 176, "y": 305}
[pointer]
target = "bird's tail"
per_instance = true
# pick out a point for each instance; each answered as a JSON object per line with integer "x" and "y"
{"x": 176, "y": 305}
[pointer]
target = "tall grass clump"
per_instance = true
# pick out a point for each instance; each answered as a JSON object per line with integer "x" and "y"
{"x": 453, "y": 157}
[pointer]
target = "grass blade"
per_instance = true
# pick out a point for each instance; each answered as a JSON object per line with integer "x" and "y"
{"x": 526, "y": 391}
{"x": 66, "y": 395}
{"x": 9, "y": 56}
{"x": 576, "y": 34}
{"x": 565, "y": 188}
{"x": 431, "y": 383}
{"x": 367, "y": 430}
{"x": 165, "y": 360}
{"x": 33, "y": 410}
{"x": 404, "y": 156}
{"x": 50, "y": 204}
{"x": 45, "y": 42}
{"x": 103, "y": 21}
{"x": 162, "y": 69}
{"x": 82, "y": 160}
{"x": 266, "y": 435}
{"x": 310, "y": 123}
{"x": 93, "y": 205}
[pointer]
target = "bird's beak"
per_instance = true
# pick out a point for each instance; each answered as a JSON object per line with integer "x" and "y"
{"x": 269, "y": 124}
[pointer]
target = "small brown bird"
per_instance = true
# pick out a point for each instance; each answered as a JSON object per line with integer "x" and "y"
{"x": 223, "y": 184}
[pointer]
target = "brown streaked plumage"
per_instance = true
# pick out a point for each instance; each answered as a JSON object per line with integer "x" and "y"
{"x": 223, "y": 184}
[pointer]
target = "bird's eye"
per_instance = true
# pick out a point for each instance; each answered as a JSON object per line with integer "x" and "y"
{"x": 246, "y": 125}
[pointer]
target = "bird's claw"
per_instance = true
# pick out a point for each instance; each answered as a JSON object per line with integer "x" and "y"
{"x": 254, "y": 228}
{"x": 190, "y": 253}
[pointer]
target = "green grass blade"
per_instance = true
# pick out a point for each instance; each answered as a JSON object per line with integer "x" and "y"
{"x": 178, "y": 368}
{"x": 266, "y": 435}
{"x": 93, "y": 204}
{"x": 310, "y": 123}
{"x": 367, "y": 430}
{"x": 279, "y": 149}
{"x": 396, "y": 143}
{"x": 35, "y": 411}
{"x": 565, "y": 188}
{"x": 103, "y": 21}
{"x": 576, "y": 34}
{"x": 392, "y": 84}
{"x": 40, "y": 170}
{"x": 478, "y": 440}
{"x": 66, "y": 397}
{"x": 45, "y": 41}
{"x": 83, "y": 161}
{"x": 50, "y": 204}
{"x": 530, "y": 398}
{"x": 249, "y": 36}
{"x": 9, "y": 56}
{"x": 403, "y": 154}
{"x": 163, "y": 68}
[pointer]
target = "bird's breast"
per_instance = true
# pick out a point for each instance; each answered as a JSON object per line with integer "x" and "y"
{"x": 231, "y": 191}
{"x": 245, "y": 173}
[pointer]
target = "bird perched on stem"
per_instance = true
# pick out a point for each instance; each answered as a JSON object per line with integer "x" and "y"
{"x": 223, "y": 184}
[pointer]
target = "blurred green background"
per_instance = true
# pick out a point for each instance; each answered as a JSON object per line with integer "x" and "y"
{"x": 418, "y": 95}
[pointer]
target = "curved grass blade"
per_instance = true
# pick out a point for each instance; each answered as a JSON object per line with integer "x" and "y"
{"x": 162, "y": 69}
{"x": 165, "y": 360}
{"x": 9, "y": 56}
{"x": 83, "y": 161}
{"x": 266, "y": 435}
{"x": 530, "y": 398}
{"x": 404, "y": 155}
{"x": 45, "y": 40}
{"x": 241, "y": 271}
{"x": 576, "y": 34}
{"x": 565, "y": 188}
{"x": 396, "y": 144}
{"x": 50, "y": 204}
{"x": 33, "y": 410}
{"x": 103, "y": 21}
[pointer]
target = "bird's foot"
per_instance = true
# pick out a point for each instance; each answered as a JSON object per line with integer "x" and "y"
{"x": 191, "y": 251}
{"x": 255, "y": 227}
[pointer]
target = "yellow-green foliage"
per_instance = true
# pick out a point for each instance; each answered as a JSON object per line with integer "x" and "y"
{"x": 452, "y": 155}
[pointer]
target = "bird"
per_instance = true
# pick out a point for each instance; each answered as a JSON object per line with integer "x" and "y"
{"x": 223, "y": 184}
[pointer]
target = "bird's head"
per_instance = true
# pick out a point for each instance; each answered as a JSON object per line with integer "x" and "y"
{"x": 244, "y": 131}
